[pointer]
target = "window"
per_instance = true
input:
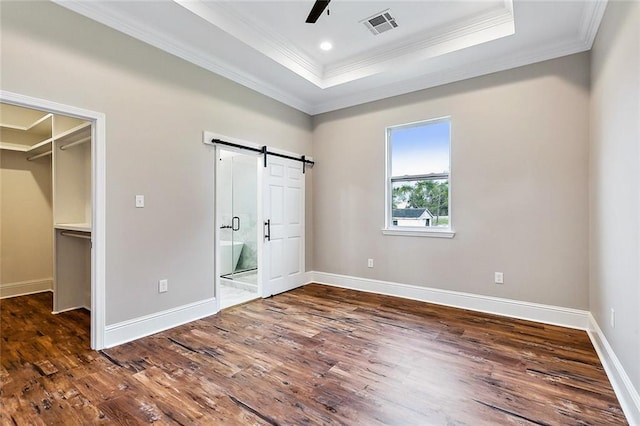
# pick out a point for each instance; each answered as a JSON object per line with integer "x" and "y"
{"x": 418, "y": 175}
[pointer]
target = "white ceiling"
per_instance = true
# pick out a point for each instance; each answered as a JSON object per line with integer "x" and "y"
{"x": 266, "y": 45}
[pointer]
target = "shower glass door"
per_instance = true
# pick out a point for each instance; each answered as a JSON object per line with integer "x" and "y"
{"x": 238, "y": 209}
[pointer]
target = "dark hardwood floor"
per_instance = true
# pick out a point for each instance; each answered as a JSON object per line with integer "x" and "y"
{"x": 315, "y": 355}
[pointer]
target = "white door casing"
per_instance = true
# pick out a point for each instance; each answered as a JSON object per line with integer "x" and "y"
{"x": 98, "y": 182}
{"x": 283, "y": 197}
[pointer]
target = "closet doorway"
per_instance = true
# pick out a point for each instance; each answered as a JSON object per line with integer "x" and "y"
{"x": 54, "y": 152}
{"x": 238, "y": 227}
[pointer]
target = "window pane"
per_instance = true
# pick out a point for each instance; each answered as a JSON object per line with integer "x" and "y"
{"x": 419, "y": 150}
{"x": 420, "y": 203}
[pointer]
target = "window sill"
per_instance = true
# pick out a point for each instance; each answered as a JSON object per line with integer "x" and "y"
{"x": 433, "y": 233}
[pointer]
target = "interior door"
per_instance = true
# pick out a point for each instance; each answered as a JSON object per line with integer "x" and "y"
{"x": 283, "y": 189}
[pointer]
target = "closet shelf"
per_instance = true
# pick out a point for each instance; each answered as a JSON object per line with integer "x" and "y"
{"x": 75, "y": 133}
{"x": 81, "y": 227}
{"x": 25, "y": 147}
{"x": 40, "y": 145}
{"x": 13, "y": 147}
{"x": 22, "y": 134}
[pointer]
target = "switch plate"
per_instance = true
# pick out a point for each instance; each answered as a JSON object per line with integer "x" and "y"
{"x": 163, "y": 286}
{"x": 613, "y": 318}
{"x": 139, "y": 201}
{"x": 499, "y": 278}
{"x": 370, "y": 263}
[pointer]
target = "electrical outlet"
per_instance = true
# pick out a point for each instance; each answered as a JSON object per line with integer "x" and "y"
{"x": 139, "y": 201}
{"x": 163, "y": 286}
{"x": 499, "y": 278}
{"x": 370, "y": 263}
{"x": 613, "y": 318}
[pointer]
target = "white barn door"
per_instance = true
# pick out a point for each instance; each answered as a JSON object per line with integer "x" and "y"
{"x": 283, "y": 189}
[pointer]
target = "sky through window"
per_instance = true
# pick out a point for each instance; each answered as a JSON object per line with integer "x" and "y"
{"x": 420, "y": 149}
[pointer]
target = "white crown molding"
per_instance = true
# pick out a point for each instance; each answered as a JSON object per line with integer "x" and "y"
{"x": 483, "y": 27}
{"x": 475, "y": 30}
{"x": 344, "y": 72}
{"x": 97, "y": 12}
{"x": 623, "y": 387}
{"x": 258, "y": 36}
{"x": 592, "y": 15}
{"x": 446, "y": 76}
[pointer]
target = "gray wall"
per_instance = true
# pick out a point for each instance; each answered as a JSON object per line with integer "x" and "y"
{"x": 615, "y": 182}
{"x": 156, "y": 107}
{"x": 518, "y": 185}
{"x": 520, "y": 169}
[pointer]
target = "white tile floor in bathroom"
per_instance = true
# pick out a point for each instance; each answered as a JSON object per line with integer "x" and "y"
{"x": 243, "y": 288}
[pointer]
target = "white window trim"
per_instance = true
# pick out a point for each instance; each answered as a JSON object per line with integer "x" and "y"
{"x": 405, "y": 231}
{"x": 389, "y": 229}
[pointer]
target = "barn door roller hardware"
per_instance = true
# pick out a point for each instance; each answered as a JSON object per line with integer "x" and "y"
{"x": 265, "y": 152}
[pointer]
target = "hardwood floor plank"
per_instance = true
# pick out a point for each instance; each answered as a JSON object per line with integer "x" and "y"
{"x": 314, "y": 355}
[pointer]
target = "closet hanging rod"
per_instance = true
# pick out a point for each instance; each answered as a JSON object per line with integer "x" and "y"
{"x": 265, "y": 152}
{"x": 75, "y": 235}
{"x": 78, "y": 142}
{"x": 35, "y": 157}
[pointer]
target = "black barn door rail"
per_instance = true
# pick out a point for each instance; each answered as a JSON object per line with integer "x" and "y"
{"x": 265, "y": 152}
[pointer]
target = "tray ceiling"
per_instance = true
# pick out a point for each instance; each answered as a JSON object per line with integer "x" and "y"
{"x": 266, "y": 45}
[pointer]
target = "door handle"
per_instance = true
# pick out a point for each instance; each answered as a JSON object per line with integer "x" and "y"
{"x": 267, "y": 234}
{"x": 234, "y": 221}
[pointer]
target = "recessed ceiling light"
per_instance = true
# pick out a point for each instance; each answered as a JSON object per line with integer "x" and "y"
{"x": 326, "y": 45}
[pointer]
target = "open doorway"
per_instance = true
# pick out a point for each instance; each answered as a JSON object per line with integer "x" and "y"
{"x": 260, "y": 220}
{"x": 68, "y": 143}
{"x": 238, "y": 223}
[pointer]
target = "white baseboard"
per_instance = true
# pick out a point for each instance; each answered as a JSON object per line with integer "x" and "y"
{"x": 23, "y": 288}
{"x": 625, "y": 391}
{"x": 73, "y": 308}
{"x": 566, "y": 317}
{"x": 126, "y": 331}
{"x": 555, "y": 315}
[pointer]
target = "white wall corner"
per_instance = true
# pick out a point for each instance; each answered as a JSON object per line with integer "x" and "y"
{"x": 23, "y": 288}
{"x": 547, "y": 314}
{"x": 625, "y": 391}
{"x": 136, "y": 328}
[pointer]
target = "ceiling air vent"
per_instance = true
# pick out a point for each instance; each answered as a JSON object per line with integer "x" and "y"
{"x": 380, "y": 22}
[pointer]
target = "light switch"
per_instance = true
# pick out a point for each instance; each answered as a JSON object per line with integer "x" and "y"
{"x": 139, "y": 201}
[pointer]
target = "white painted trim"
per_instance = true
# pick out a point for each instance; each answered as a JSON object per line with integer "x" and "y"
{"x": 98, "y": 166}
{"x": 471, "y": 70}
{"x": 433, "y": 233}
{"x": 625, "y": 391}
{"x": 136, "y": 328}
{"x": 481, "y": 28}
{"x": 23, "y": 288}
{"x": 591, "y": 18}
{"x": 547, "y": 314}
{"x": 627, "y": 394}
{"x": 100, "y": 12}
{"x": 258, "y": 36}
{"x": 70, "y": 309}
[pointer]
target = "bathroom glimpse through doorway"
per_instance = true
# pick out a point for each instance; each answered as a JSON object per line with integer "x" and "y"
{"x": 237, "y": 202}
